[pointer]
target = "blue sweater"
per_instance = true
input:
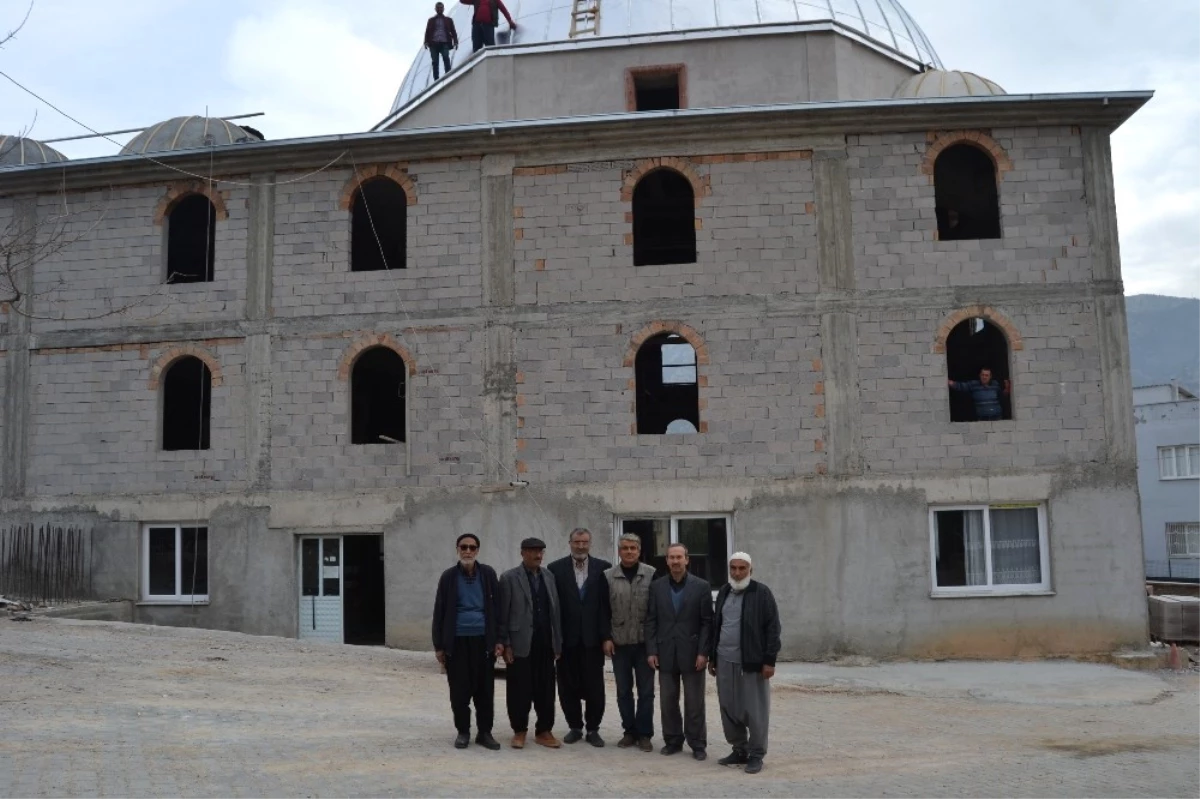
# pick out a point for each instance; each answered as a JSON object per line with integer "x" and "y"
{"x": 986, "y": 398}
{"x": 469, "y": 619}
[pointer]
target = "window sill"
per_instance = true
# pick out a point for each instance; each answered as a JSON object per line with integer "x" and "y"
{"x": 983, "y": 594}
{"x": 171, "y": 602}
{"x": 1184, "y": 477}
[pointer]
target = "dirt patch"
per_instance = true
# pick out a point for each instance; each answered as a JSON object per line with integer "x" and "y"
{"x": 1102, "y": 747}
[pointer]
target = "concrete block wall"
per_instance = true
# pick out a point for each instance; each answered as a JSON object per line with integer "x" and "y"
{"x": 1058, "y": 408}
{"x": 1043, "y": 214}
{"x": 761, "y": 403}
{"x": 115, "y": 260}
{"x": 96, "y": 425}
{"x": 756, "y": 231}
{"x": 311, "y": 447}
{"x": 312, "y": 246}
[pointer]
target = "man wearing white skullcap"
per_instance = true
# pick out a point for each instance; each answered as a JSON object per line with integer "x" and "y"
{"x": 745, "y": 643}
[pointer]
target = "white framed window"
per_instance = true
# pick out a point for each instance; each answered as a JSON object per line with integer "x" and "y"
{"x": 708, "y": 537}
{"x": 175, "y": 563}
{"x": 1183, "y": 539}
{"x": 1179, "y": 462}
{"x": 981, "y": 550}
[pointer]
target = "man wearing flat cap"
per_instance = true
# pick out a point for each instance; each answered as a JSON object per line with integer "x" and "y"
{"x": 745, "y": 643}
{"x": 465, "y": 621}
{"x": 530, "y": 630}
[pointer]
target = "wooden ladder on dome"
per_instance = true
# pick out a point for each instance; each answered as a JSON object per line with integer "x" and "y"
{"x": 585, "y": 18}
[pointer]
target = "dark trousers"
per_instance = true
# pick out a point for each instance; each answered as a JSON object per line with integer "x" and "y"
{"x": 629, "y": 665}
{"x": 470, "y": 672}
{"x": 530, "y": 681}
{"x": 580, "y": 682}
{"x": 439, "y": 50}
{"x": 483, "y": 35}
{"x": 692, "y": 725}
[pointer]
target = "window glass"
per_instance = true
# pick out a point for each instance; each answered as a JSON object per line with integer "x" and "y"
{"x": 1181, "y": 465}
{"x": 310, "y": 567}
{"x": 1194, "y": 460}
{"x": 1016, "y": 553}
{"x": 331, "y": 566}
{"x": 162, "y": 561}
{"x": 193, "y": 564}
{"x": 1166, "y": 462}
{"x": 960, "y": 556}
{"x": 707, "y": 541}
{"x": 679, "y": 364}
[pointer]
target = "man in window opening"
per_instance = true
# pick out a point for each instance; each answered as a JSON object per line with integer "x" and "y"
{"x": 465, "y": 640}
{"x": 678, "y": 626}
{"x": 985, "y": 394}
{"x": 484, "y": 22}
{"x": 586, "y": 625}
{"x": 531, "y": 631}
{"x": 745, "y": 643}
{"x": 629, "y": 593}
{"x": 440, "y": 39}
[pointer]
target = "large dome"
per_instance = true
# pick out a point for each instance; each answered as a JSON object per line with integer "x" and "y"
{"x": 19, "y": 151}
{"x": 186, "y": 133}
{"x": 884, "y": 22}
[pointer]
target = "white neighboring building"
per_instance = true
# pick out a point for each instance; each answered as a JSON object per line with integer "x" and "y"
{"x": 1167, "y": 421}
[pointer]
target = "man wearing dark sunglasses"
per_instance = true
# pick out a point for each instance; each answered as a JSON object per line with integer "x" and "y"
{"x": 465, "y": 641}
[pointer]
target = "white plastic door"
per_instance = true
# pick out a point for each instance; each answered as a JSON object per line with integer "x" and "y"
{"x": 321, "y": 588}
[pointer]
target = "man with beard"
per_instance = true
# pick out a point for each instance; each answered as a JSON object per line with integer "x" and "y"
{"x": 465, "y": 640}
{"x": 745, "y": 643}
{"x": 586, "y": 623}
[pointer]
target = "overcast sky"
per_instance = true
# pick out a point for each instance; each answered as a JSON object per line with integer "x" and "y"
{"x": 329, "y": 66}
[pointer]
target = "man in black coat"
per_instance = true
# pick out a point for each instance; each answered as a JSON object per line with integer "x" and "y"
{"x": 745, "y": 643}
{"x": 678, "y": 625}
{"x": 465, "y": 640}
{"x": 586, "y": 625}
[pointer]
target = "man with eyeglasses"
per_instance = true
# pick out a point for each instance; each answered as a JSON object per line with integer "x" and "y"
{"x": 465, "y": 640}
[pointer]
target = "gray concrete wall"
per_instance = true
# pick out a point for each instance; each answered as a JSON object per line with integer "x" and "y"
{"x": 1157, "y": 425}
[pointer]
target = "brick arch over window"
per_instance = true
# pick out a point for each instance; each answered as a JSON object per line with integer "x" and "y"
{"x": 183, "y": 188}
{"x": 370, "y": 341}
{"x": 688, "y": 333}
{"x": 939, "y": 141}
{"x": 173, "y": 354}
{"x": 1015, "y": 342}
{"x": 700, "y": 183}
{"x": 394, "y": 172}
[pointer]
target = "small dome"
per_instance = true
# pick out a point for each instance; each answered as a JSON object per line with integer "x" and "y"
{"x": 19, "y": 151}
{"x": 187, "y": 133}
{"x": 947, "y": 83}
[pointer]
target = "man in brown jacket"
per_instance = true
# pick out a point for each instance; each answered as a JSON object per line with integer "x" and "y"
{"x": 440, "y": 38}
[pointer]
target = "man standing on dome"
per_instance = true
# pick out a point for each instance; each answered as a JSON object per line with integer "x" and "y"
{"x": 484, "y": 22}
{"x": 440, "y": 39}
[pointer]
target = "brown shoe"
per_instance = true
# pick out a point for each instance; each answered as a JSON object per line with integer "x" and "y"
{"x": 518, "y": 741}
{"x": 547, "y": 739}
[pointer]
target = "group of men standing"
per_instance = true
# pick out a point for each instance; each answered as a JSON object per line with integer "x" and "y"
{"x": 556, "y": 624}
{"x": 441, "y": 36}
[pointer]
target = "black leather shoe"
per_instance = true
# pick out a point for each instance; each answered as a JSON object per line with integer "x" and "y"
{"x": 671, "y": 749}
{"x": 462, "y": 741}
{"x": 754, "y": 765}
{"x": 594, "y": 739}
{"x": 573, "y": 736}
{"x": 486, "y": 740}
{"x": 735, "y": 758}
{"x": 700, "y": 754}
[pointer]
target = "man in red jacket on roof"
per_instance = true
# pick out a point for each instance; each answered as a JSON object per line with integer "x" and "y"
{"x": 484, "y": 22}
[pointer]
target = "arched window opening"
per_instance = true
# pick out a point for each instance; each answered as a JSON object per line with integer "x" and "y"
{"x": 378, "y": 226}
{"x": 664, "y": 220}
{"x": 191, "y": 240}
{"x": 977, "y": 365}
{"x": 668, "y": 398}
{"x": 964, "y": 185}
{"x": 377, "y": 396}
{"x": 187, "y": 404}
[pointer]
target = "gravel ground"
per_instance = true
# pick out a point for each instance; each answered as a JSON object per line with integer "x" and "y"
{"x": 95, "y": 708}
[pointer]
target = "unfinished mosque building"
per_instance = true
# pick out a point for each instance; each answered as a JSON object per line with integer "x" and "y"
{"x": 702, "y": 276}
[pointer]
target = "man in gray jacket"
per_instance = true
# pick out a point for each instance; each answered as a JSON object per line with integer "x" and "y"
{"x": 678, "y": 624}
{"x": 531, "y": 631}
{"x": 629, "y": 593}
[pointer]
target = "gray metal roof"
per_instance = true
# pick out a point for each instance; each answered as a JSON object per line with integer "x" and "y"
{"x": 186, "y": 133}
{"x": 884, "y": 22}
{"x": 19, "y": 151}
